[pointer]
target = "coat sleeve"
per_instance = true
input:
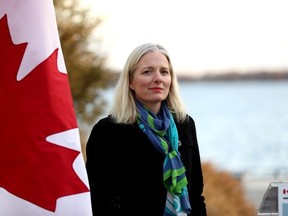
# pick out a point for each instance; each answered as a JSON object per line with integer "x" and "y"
{"x": 100, "y": 166}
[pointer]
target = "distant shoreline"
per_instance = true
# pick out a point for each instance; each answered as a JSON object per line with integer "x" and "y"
{"x": 235, "y": 76}
{"x": 224, "y": 76}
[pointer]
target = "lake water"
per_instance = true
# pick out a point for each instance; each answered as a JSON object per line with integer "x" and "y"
{"x": 242, "y": 126}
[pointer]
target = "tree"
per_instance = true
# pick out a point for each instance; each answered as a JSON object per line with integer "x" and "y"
{"x": 224, "y": 194}
{"x": 85, "y": 65}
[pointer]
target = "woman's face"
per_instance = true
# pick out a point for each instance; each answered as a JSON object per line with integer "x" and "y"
{"x": 151, "y": 80}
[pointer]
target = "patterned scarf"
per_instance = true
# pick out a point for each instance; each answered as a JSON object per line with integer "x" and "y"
{"x": 162, "y": 132}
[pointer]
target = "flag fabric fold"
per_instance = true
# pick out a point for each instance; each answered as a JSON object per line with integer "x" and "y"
{"x": 42, "y": 169}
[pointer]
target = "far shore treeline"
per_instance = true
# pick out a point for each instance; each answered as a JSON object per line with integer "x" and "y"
{"x": 226, "y": 76}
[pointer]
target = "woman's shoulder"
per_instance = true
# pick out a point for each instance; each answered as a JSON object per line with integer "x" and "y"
{"x": 188, "y": 122}
{"x": 105, "y": 120}
{"x": 108, "y": 122}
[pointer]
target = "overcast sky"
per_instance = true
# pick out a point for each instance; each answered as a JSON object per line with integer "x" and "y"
{"x": 201, "y": 36}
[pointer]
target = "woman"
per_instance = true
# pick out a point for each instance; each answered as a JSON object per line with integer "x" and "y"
{"x": 143, "y": 159}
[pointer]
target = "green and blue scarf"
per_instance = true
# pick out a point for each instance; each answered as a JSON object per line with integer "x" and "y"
{"x": 162, "y": 132}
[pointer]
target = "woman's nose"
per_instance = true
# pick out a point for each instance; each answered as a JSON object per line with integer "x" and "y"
{"x": 158, "y": 77}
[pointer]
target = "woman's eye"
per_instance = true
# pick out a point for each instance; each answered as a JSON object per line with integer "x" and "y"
{"x": 147, "y": 72}
{"x": 165, "y": 72}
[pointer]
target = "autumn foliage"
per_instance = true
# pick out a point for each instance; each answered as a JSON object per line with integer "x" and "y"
{"x": 224, "y": 194}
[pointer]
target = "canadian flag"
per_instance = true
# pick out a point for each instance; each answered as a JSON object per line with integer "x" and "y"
{"x": 285, "y": 191}
{"x": 42, "y": 170}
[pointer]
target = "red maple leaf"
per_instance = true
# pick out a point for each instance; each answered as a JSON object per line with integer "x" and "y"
{"x": 31, "y": 109}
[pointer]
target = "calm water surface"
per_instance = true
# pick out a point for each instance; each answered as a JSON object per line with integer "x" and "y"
{"x": 242, "y": 126}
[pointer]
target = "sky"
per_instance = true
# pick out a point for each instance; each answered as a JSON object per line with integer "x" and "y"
{"x": 200, "y": 36}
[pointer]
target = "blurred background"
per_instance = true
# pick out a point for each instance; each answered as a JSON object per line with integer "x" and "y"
{"x": 231, "y": 58}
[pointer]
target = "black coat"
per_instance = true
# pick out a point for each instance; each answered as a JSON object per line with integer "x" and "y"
{"x": 125, "y": 171}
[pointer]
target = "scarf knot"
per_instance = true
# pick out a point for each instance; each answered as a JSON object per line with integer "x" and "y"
{"x": 162, "y": 132}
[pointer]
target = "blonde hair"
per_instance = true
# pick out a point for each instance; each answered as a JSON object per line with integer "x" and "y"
{"x": 124, "y": 109}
